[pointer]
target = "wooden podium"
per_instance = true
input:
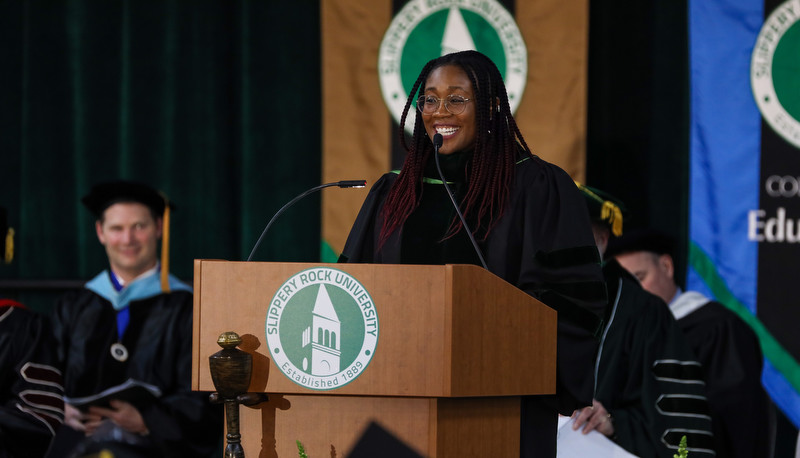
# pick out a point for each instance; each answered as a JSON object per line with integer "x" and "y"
{"x": 457, "y": 346}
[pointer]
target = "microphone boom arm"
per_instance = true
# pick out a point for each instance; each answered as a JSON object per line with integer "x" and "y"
{"x": 437, "y": 142}
{"x": 341, "y": 184}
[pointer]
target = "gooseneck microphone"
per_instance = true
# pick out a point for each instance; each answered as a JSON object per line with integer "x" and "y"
{"x": 437, "y": 143}
{"x": 341, "y": 184}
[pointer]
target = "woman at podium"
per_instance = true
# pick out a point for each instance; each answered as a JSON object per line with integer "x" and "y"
{"x": 471, "y": 192}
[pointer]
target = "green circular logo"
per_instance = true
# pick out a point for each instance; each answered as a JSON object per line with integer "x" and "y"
{"x": 775, "y": 71}
{"x": 426, "y": 29}
{"x": 322, "y": 328}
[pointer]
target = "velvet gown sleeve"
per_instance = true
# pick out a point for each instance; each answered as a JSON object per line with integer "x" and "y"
{"x": 732, "y": 361}
{"x": 362, "y": 240}
{"x": 544, "y": 245}
{"x": 31, "y": 394}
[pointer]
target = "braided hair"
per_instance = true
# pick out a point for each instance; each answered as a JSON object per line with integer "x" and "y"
{"x": 496, "y": 146}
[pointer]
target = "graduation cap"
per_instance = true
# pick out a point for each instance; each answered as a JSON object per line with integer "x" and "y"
{"x": 6, "y": 237}
{"x": 604, "y": 208}
{"x": 104, "y": 195}
{"x": 650, "y": 240}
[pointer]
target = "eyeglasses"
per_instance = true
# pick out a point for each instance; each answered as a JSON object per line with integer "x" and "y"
{"x": 429, "y": 104}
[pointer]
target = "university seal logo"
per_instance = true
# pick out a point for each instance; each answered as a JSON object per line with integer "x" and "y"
{"x": 426, "y": 29}
{"x": 322, "y": 328}
{"x": 775, "y": 70}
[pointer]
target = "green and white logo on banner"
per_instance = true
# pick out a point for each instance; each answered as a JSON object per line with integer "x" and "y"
{"x": 322, "y": 328}
{"x": 775, "y": 71}
{"x": 426, "y": 29}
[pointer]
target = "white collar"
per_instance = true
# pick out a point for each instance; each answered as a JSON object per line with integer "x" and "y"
{"x": 687, "y": 302}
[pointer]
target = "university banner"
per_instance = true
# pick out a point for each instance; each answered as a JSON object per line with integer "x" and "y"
{"x": 373, "y": 51}
{"x": 745, "y": 174}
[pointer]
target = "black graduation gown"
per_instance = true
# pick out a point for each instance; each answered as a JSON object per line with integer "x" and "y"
{"x": 31, "y": 395}
{"x": 647, "y": 376}
{"x": 542, "y": 244}
{"x": 182, "y": 423}
{"x": 732, "y": 361}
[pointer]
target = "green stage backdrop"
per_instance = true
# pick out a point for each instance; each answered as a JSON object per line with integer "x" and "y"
{"x": 215, "y": 103}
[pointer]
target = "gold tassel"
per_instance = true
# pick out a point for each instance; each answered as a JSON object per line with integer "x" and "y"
{"x": 613, "y": 215}
{"x": 609, "y": 212}
{"x": 9, "y": 245}
{"x": 165, "y": 250}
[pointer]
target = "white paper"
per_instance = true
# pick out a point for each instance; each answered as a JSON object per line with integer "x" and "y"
{"x": 574, "y": 444}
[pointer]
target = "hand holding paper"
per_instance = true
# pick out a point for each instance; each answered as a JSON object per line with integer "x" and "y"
{"x": 574, "y": 444}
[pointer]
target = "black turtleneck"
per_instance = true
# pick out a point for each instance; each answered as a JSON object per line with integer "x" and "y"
{"x": 424, "y": 231}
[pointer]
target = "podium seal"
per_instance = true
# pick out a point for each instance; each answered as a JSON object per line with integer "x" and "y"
{"x": 322, "y": 328}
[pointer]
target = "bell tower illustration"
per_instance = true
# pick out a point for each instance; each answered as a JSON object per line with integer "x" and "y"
{"x": 324, "y": 337}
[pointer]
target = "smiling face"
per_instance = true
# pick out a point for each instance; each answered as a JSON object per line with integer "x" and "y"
{"x": 130, "y": 236}
{"x": 458, "y": 130}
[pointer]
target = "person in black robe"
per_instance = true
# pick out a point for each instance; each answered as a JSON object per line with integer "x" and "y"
{"x": 650, "y": 388}
{"x": 133, "y": 321}
{"x": 31, "y": 393}
{"x": 523, "y": 218}
{"x": 725, "y": 345}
